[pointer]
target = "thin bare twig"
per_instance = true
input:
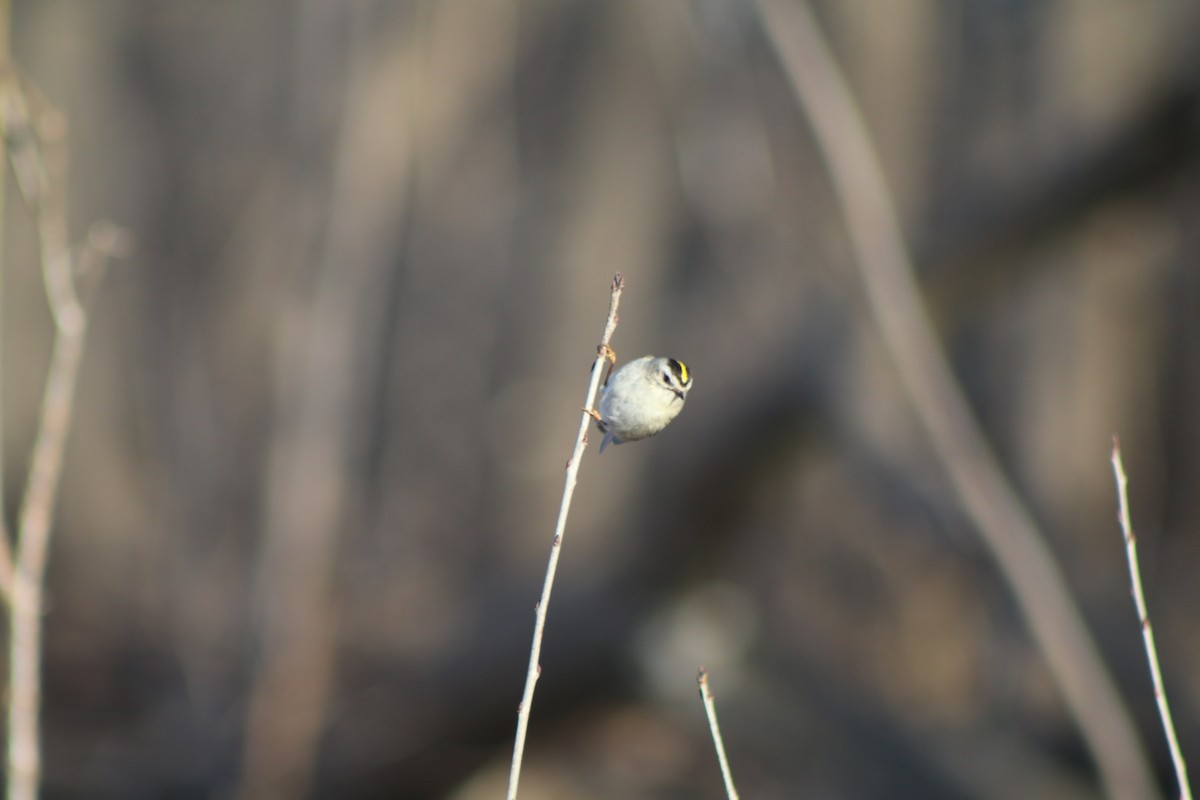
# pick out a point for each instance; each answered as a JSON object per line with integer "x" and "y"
{"x": 1008, "y": 530}
{"x": 7, "y": 78}
{"x": 34, "y": 527}
{"x": 535, "y": 650}
{"x": 41, "y": 187}
{"x": 33, "y": 542}
{"x": 710, "y": 709}
{"x": 1139, "y": 599}
{"x": 37, "y": 505}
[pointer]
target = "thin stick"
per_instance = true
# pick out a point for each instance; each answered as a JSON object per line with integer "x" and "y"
{"x": 34, "y": 528}
{"x": 535, "y": 668}
{"x": 711, "y": 710}
{"x": 7, "y": 78}
{"x": 1139, "y": 599}
{"x": 26, "y": 601}
{"x": 1005, "y": 526}
{"x": 37, "y": 506}
{"x": 42, "y": 187}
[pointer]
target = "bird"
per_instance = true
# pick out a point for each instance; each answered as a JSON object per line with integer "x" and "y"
{"x": 641, "y": 398}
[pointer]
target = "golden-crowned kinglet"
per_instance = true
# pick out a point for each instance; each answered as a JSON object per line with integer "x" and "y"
{"x": 640, "y": 399}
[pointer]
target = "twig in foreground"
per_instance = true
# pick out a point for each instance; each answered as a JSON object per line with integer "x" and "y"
{"x": 36, "y": 517}
{"x": 531, "y": 676}
{"x": 36, "y": 135}
{"x": 1135, "y": 578}
{"x": 711, "y": 710}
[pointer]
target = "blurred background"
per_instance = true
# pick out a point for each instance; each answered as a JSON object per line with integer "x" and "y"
{"x": 326, "y": 406}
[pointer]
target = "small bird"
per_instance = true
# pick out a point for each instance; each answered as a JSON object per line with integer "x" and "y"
{"x": 641, "y": 398}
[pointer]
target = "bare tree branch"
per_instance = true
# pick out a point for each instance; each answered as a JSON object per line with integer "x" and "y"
{"x": 1006, "y": 527}
{"x": 38, "y": 154}
{"x": 710, "y": 709}
{"x": 1139, "y": 599}
{"x": 535, "y": 650}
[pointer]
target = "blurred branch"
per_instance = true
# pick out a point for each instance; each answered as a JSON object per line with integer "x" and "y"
{"x": 309, "y": 486}
{"x": 710, "y": 709}
{"x": 1006, "y": 526}
{"x": 1139, "y": 599}
{"x": 38, "y": 153}
{"x": 392, "y": 129}
{"x": 7, "y": 89}
{"x": 535, "y": 668}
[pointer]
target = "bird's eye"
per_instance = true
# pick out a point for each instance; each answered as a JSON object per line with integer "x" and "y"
{"x": 666, "y": 376}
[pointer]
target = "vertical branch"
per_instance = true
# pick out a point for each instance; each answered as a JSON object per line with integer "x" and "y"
{"x": 6, "y": 79}
{"x": 710, "y": 709}
{"x": 37, "y": 509}
{"x": 42, "y": 182}
{"x": 1139, "y": 599}
{"x": 310, "y": 487}
{"x": 35, "y": 525}
{"x": 1005, "y": 526}
{"x": 37, "y": 505}
{"x": 535, "y": 650}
